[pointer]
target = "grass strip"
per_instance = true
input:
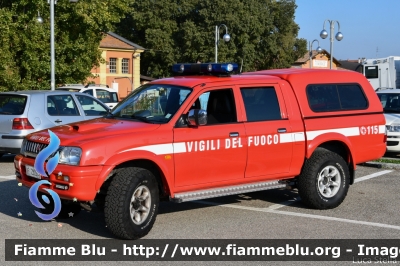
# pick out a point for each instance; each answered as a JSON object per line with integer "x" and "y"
{"x": 387, "y": 161}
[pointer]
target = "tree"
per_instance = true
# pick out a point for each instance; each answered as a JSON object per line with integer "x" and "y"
{"x": 25, "y": 44}
{"x": 263, "y": 33}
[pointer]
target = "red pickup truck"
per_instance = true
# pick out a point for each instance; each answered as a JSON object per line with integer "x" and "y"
{"x": 208, "y": 133}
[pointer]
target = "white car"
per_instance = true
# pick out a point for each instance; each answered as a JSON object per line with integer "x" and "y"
{"x": 102, "y": 92}
{"x": 390, "y": 99}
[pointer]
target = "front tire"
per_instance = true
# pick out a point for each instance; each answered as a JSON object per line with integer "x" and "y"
{"x": 324, "y": 181}
{"x": 131, "y": 204}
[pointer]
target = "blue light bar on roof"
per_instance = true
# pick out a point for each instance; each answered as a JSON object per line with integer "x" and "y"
{"x": 205, "y": 68}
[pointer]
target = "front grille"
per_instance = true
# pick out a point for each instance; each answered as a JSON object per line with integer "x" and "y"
{"x": 33, "y": 148}
{"x": 392, "y": 143}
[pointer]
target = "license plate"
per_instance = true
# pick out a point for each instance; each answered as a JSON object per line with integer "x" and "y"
{"x": 30, "y": 171}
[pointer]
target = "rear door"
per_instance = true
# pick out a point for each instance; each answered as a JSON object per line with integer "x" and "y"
{"x": 268, "y": 130}
{"x": 62, "y": 109}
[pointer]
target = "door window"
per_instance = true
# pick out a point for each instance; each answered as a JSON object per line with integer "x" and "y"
{"x": 61, "y": 105}
{"x": 261, "y": 104}
{"x": 220, "y": 106}
{"x": 90, "y": 92}
{"x": 90, "y": 106}
{"x": 106, "y": 96}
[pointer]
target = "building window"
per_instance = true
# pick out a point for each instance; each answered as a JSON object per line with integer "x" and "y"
{"x": 125, "y": 66}
{"x": 113, "y": 65}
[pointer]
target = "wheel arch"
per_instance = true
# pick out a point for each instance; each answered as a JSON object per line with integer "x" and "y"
{"x": 340, "y": 147}
{"x": 159, "y": 172}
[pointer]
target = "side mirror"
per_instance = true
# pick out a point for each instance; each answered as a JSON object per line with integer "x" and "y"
{"x": 197, "y": 117}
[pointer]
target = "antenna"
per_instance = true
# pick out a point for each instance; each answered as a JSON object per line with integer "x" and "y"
{"x": 377, "y": 49}
{"x": 241, "y": 66}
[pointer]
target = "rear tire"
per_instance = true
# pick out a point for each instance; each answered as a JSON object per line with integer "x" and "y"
{"x": 324, "y": 181}
{"x": 131, "y": 204}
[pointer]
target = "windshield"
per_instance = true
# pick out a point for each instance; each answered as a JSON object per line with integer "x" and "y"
{"x": 390, "y": 102}
{"x": 153, "y": 103}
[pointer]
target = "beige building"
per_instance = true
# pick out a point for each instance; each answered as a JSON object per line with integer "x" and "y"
{"x": 121, "y": 69}
{"x": 321, "y": 60}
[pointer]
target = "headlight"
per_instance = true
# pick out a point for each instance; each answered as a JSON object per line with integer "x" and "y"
{"x": 394, "y": 128}
{"x": 70, "y": 155}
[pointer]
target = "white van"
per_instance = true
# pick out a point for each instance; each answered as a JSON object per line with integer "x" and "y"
{"x": 102, "y": 92}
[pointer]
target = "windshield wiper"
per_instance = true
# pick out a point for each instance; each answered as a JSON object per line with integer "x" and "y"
{"x": 141, "y": 118}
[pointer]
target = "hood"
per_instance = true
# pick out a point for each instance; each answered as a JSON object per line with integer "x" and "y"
{"x": 392, "y": 118}
{"x": 91, "y": 129}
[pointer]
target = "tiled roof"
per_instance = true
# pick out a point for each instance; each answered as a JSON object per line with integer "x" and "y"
{"x": 113, "y": 40}
{"x": 306, "y": 57}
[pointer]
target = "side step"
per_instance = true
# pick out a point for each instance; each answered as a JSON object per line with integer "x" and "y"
{"x": 226, "y": 191}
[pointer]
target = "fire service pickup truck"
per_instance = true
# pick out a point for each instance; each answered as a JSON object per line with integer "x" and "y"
{"x": 207, "y": 132}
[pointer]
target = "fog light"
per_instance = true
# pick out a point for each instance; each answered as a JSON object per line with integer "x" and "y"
{"x": 63, "y": 187}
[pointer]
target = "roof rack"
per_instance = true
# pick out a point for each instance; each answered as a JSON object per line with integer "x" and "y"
{"x": 384, "y": 88}
{"x": 63, "y": 85}
{"x": 97, "y": 85}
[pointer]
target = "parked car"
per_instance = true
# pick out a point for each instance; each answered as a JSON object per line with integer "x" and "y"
{"x": 390, "y": 99}
{"x": 24, "y": 112}
{"x": 102, "y": 92}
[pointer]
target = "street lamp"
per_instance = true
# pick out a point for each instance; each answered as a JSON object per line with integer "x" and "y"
{"x": 52, "y": 52}
{"x": 39, "y": 18}
{"x": 324, "y": 34}
{"x": 226, "y": 38}
{"x": 319, "y": 50}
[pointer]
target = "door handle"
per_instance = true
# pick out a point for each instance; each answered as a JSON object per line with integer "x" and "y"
{"x": 234, "y": 134}
{"x": 281, "y": 130}
{"x": 58, "y": 121}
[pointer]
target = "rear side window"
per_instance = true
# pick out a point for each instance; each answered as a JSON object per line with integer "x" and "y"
{"x": 336, "y": 97}
{"x": 12, "y": 104}
{"x": 106, "y": 96}
{"x": 114, "y": 97}
{"x": 261, "y": 104}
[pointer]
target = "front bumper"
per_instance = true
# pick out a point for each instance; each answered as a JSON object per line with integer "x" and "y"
{"x": 81, "y": 185}
{"x": 393, "y": 142}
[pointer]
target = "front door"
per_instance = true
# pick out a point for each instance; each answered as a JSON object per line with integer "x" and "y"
{"x": 214, "y": 152}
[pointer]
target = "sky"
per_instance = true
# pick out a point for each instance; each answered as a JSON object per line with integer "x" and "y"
{"x": 370, "y": 28}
